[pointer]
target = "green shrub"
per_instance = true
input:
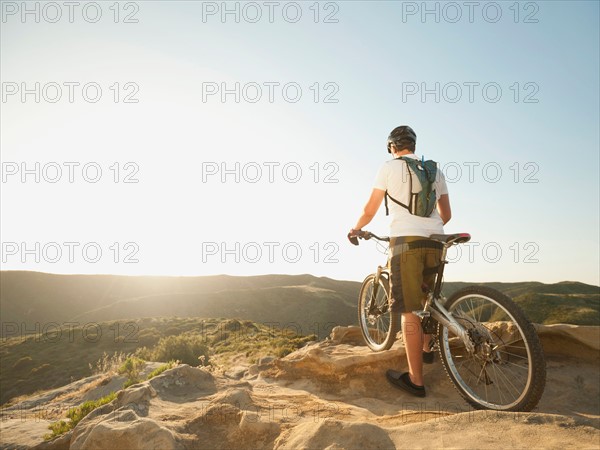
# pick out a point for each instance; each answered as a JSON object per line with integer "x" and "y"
{"x": 76, "y": 414}
{"x": 149, "y": 336}
{"x": 58, "y": 428}
{"x": 187, "y": 348}
{"x": 161, "y": 369}
{"x": 132, "y": 368}
{"x": 232, "y": 325}
{"x": 283, "y": 351}
{"x": 130, "y": 382}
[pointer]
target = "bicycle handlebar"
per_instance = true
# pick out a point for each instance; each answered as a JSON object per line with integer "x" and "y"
{"x": 366, "y": 235}
{"x": 446, "y": 239}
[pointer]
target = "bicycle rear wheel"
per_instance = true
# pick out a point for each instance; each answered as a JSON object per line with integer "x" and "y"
{"x": 507, "y": 370}
{"x": 377, "y": 323}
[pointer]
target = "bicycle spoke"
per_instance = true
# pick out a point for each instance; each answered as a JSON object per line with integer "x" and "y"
{"x": 517, "y": 365}
{"x": 513, "y": 354}
{"x": 507, "y": 381}
{"x": 498, "y": 385}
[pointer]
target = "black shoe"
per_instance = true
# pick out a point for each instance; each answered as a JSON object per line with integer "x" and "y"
{"x": 402, "y": 381}
{"x": 428, "y": 357}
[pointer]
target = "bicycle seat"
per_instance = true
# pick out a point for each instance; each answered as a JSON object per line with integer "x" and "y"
{"x": 456, "y": 238}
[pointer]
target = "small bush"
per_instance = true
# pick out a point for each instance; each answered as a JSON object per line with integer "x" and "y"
{"x": 186, "y": 348}
{"x": 149, "y": 336}
{"x": 161, "y": 369}
{"x": 132, "y": 368}
{"x": 130, "y": 382}
{"x": 76, "y": 414}
{"x": 58, "y": 428}
{"x": 108, "y": 363}
{"x": 232, "y": 325}
{"x": 283, "y": 351}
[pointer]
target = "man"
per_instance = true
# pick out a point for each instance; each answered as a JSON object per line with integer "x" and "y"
{"x": 410, "y": 255}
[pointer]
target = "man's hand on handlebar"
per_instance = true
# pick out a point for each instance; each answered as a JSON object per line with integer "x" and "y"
{"x": 353, "y": 236}
{"x": 366, "y": 235}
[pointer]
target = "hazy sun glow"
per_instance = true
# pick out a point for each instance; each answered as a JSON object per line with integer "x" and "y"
{"x": 204, "y": 176}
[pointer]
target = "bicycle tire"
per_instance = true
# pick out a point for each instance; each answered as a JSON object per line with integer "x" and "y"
{"x": 507, "y": 351}
{"x": 379, "y": 329}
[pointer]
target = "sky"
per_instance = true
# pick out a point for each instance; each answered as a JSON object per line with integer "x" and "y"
{"x": 243, "y": 138}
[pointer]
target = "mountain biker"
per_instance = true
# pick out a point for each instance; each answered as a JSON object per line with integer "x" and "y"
{"x": 412, "y": 259}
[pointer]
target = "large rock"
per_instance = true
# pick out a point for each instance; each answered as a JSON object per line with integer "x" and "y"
{"x": 347, "y": 335}
{"x": 123, "y": 430}
{"x": 564, "y": 339}
{"x": 336, "y": 434}
{"x": 337, "y": 368}
{"x": 183, "y": 380}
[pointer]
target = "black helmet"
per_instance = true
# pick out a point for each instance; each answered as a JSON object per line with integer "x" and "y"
{"x": 401, "y": 135}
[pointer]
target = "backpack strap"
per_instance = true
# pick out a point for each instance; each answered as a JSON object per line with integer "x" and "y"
{"x": 408, "y": 207}
{"x": 387, "y": 212}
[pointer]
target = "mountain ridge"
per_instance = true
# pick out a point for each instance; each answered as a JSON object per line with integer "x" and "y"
{"x": 29, "y": 299}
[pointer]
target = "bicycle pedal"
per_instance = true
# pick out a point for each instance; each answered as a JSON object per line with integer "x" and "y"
{"x": 422, "y": 314}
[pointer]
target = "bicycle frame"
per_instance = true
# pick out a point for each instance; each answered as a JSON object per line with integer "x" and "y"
{"x": 433, "y": 305}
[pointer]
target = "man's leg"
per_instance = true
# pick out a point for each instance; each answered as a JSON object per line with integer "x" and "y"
{"x": 406, "y": 277}
{"x": 412, "y": 334}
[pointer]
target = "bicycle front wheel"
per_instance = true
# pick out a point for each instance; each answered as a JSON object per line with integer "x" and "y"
{"x": 377, "y": 322}
{"x": 506, "y": 371}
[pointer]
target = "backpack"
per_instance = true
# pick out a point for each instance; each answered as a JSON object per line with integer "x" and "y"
{"x": 422, "y": 203}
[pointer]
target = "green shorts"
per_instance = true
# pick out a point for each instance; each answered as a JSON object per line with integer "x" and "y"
{"x": 413, "y": 261}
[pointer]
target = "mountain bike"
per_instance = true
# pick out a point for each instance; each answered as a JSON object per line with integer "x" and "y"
{"x": 489, "y": 349}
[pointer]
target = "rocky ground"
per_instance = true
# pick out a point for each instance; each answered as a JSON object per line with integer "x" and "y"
{"x": 329, "y": 395}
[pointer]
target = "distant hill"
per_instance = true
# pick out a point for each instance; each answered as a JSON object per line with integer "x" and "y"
{"x": 311, "y": 304}
{"x": 30, "y": 301}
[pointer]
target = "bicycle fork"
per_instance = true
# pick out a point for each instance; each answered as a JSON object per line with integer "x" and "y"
{"x": 372, "y": 305}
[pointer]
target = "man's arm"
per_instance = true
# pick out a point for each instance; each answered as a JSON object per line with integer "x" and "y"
{"x": 370, "y": 208}
{"x": 443, "y": 207}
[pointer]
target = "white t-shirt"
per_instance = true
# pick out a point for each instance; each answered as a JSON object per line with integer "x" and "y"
{"x": 393, "y": 176}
